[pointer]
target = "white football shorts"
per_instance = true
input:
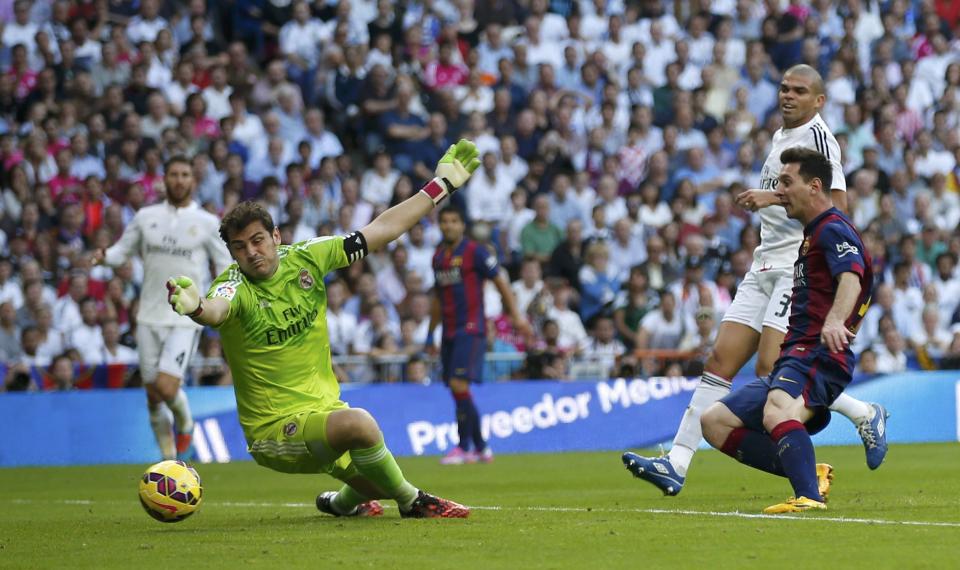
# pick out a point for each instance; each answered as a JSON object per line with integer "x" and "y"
{"x": 763, "y": 300}
{"x": 165, "y": 349}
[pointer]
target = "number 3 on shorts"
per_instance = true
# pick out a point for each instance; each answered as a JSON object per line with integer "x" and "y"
{"x": 784, "y": 305}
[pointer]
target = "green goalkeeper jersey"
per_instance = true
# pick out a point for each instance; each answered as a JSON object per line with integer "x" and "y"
{"x": 275, "y": 335}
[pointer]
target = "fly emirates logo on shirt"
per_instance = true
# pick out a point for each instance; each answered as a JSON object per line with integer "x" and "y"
{"x": 299, "y": 320}
{"x": 767, "y": 180}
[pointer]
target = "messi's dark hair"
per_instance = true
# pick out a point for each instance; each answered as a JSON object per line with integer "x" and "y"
{"x": 812, "y": 165}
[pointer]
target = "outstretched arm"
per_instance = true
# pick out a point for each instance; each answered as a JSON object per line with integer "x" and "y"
{"x": 185, "y": 299}
{"x": 126, "y": 246}
{"x": 453, "y": 170}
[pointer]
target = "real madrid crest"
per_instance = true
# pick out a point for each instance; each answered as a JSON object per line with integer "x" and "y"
{"x": 306, "y": 280}
{"x": 805, "y": 246}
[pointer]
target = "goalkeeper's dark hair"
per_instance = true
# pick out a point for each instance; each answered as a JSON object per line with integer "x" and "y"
{"x": 451, "y": 209}
{"x": 241, "y": 216}
{"x": 812, "y": 165}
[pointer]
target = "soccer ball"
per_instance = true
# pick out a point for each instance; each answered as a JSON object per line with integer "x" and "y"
{"x": 170, "y": 491}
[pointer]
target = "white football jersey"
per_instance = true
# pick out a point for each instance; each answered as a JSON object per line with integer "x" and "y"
{"x": 170, "y": 242}
{"x": 780, "y": 236}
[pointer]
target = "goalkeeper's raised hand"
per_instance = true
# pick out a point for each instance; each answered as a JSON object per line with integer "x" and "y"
{"x": 453, "y": 170}
{"x": 184, "y": 297}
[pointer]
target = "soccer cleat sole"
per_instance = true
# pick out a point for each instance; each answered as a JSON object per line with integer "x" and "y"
{"x": 667, "y": 485}
{"x": 792, "y": 505}
{"x": 824, "y": 479}
{"x": 428, "y": 506}
{"x": 872, "y": 461}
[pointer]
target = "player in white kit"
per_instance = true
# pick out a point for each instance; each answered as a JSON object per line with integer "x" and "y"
{"x": 757, "y": 320}
{"x": 174, "y": 237}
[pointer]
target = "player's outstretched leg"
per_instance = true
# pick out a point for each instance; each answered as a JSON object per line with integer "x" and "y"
{"x": 668, "y": 473}
{"x": 356, "y": 432}
{"x": 871, "y": 422}
{"x": 736, "y": 343}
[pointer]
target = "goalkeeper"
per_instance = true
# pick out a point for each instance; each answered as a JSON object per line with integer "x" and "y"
{"x": 270, "y": 308}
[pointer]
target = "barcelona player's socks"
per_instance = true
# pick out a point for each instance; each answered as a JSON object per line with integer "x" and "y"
{"x": 379, "y": 466}
{"x": 468, "y": 421}
{"x": 799, "y": 461}
{"x": 754, "y": 449}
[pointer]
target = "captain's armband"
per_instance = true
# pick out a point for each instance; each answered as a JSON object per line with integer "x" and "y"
{"x": 355, "y": 246}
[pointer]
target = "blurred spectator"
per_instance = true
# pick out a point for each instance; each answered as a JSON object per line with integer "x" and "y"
{"x": 9, "y": 333}
{"x": 931, "y": 340}
{"x": 700, "y": 341}
{"x": 890, "y": 353}
{"x": 529, "y": 285}
{"x": 341, "y": 324}
{"x": 664, "y": 326}
{"x": 540, "y": 237}
{"x": 572, "y": 336}
{"x": 599, "y": 282}
{"x": 108, "y": 349}
{"x": 61, "y": 372}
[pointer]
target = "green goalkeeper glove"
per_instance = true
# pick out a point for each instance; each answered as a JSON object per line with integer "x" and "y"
{"x": 453, "y": 170}
{"x": 184, "y": 297}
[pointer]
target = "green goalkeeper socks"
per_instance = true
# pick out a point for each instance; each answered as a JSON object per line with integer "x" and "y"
{"x": 378, "y": 465}
{"x": 347, "y": 500}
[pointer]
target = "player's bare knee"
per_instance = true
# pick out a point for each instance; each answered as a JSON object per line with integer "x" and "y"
{"x": 360, "y": 428}
{"x": 166, "y": 386}
{"x": 711, "y": 424}
{"x": 154, "y": 396}
{"x": 720, "y": 365}
{"x": 773, "y": 415}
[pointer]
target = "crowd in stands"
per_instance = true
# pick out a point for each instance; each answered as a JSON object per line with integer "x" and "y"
{"x": 615, "y": 135}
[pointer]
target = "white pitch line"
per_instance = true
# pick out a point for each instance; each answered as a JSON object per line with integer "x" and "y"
{"x": 681, "y": 512}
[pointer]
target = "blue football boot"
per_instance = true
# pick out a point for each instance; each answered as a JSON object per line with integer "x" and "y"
{"x": 658, "y": 471}
{"x": 874, "y": 435}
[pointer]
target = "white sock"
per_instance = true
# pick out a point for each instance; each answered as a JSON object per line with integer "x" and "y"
{"x": 689, "y": 434}
{"x": 853, "y": 408}
{"x": 181, "y": 412}
{"x": 161, "y": 420}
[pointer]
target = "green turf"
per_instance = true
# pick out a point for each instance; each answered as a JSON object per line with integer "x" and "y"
{"x": 255, "y": 517}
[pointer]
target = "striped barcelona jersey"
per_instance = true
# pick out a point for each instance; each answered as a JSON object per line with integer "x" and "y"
{"x": 831, "y": 246}
{"x": 460, "y": 272}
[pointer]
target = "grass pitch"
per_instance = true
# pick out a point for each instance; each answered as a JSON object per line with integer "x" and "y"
{"x": 578, "y": 510}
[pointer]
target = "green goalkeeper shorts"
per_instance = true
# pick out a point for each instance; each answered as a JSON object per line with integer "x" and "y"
{"x": 298, "y": 444}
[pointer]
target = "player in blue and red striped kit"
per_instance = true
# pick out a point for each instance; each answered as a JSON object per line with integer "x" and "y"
{"x": 767, "y": 424}
{"x": 460, "y": 268}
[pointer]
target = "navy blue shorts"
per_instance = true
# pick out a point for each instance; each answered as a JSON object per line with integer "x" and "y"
{"x": 461, "y": 357}
{"x": 816, "y": 377}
